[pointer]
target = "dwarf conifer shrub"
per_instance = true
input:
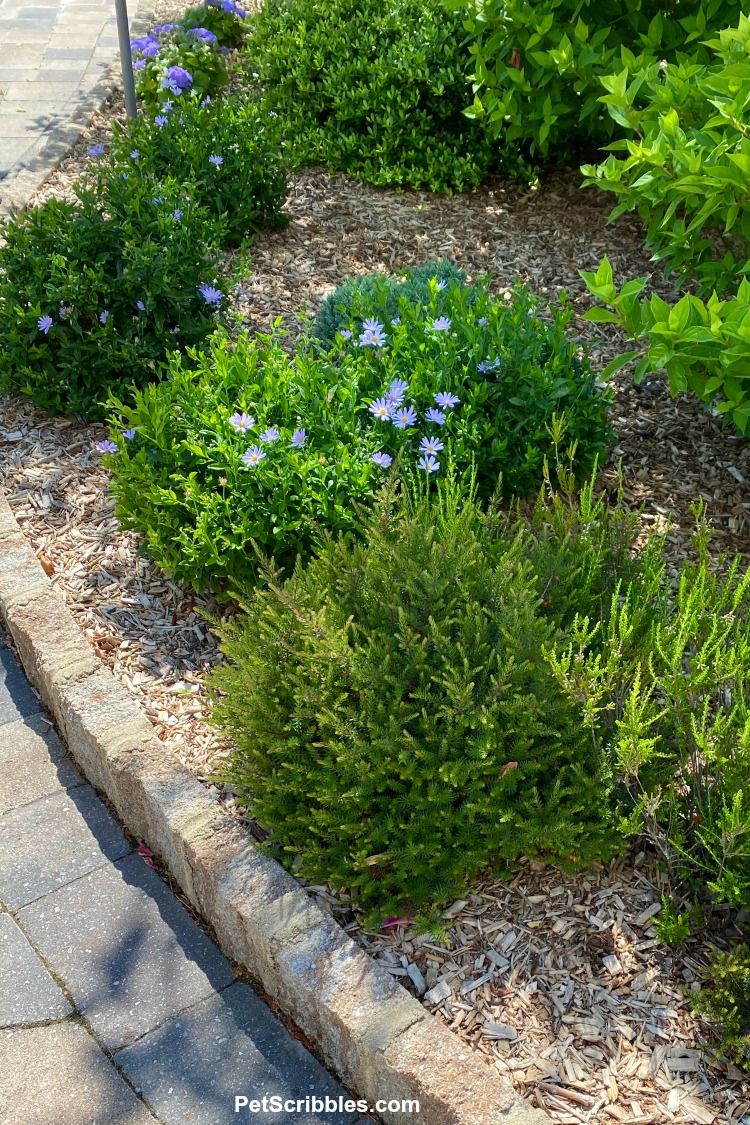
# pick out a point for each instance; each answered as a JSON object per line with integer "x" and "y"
{"x": 396, "y": 725}
{"x": 376, "y": 89}
{"x": 367, "y": 296}
{"x": 725, "y": 1001}
{"x": 226, "y": 150}
{"x": 94, "y": 294}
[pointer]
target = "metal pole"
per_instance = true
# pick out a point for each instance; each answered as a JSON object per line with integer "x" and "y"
{"x": 126, "y": 61}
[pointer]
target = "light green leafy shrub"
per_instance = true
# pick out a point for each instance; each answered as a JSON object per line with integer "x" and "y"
{"x": 687, "y": 165}
{"x": 493, "y": 389}
{"x": 702, "y": 345}
{"x": 395, "y": 723}
{"x": 537, "y": 64}
{"x": 375, "y": 88}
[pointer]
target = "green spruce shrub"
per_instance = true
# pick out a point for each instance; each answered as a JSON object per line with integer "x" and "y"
{"x": 724, "y": 1000}
{"x": 375, "y": 88}
{"x": 395, "y": 723}
{"x": 94, "y": 294}
{"x": 367, "y": 296}
{"x": 494, "y": 388}
{"x": 226, "y": 150}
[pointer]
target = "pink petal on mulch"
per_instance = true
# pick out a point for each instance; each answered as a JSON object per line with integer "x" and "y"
{"x": 396, "y": 922}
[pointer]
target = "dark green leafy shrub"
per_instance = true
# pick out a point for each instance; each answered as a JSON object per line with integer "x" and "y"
{"x": 93, "y": 294}
{"x": 687, "y": 172}
{"x": 182, "y": 480}
{"x": 395, "y": 722}
{"x": 227, "y": 151}
{"x": 171, "y": 63}
{"x": 223, "y": 18}
{"x": 365, "y": 295}
{"x": 725, "y": 1001}
{"x": 375, "y": 88}
{"x": 538, "y": 63}
{"x": 533, "y": 397}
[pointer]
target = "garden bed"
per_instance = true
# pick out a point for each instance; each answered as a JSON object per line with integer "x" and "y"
{"x": 588, "y": 1011}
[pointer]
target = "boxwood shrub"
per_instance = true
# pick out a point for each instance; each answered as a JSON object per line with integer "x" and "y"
{"x": 226, "y": 150}
{"x": 375, "y": 88}
{"x": 94, "y": 294}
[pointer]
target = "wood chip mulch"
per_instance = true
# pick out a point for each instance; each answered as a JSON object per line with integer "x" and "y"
{"x": 560, "y": 982}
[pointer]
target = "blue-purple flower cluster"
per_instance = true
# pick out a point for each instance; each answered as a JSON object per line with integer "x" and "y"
{"x": 243, "y": 423}
{"x": 392, "y": 408}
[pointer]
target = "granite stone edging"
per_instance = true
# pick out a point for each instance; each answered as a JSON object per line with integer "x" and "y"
{"x": 379, "y": 1040}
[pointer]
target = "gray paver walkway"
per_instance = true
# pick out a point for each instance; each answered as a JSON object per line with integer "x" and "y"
{"x": 115, "y": 1007}
{"x": 53, "y": 54}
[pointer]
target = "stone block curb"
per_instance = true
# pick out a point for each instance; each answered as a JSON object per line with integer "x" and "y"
{"x": 371, "y": 1031}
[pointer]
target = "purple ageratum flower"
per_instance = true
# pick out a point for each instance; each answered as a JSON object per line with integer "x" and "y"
{"x": 270, "y": 435}
{"x": 446, "y": 400}
{"x": 150, "y": 50}
{"x": 299, "y": 437}
{"x": 104, "y": 316}
{"x": 217, "y": 161}
{"x": 163, "y": 29}
{"x": 179, "y": 77}
{"x": 346, "y": 333}
{"x": 430, "y": 445}
{"x": 435, "y": 416}
{"x": 396, "y": 392}
{"x": 442, "y": 324}
{"x": 44, "y": 324}
{"x": 202, "y": 34}
{"x": 253, "y": 456}
{"x": 96, "y": 150}
{"x": 241, "y": 421}
{"x": 384, "y": 460}
{"x": 210, "y": 295}
{"x": 106, "y": 447}
{"x": 403, "y": 416}
{"x": 139, "y": 64}
{"x": 381, "y": 408}
{"x": 482, "y": 320}
{"x": 144, "y": 41}
{"x": 128, "y": 434}
{"x": 429, "y": 464}
{"x": 160, "y": 120}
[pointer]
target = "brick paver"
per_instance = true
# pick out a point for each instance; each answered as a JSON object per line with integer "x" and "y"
{"x": 115, "y": 1006}
{"x": 53, "y": 57}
